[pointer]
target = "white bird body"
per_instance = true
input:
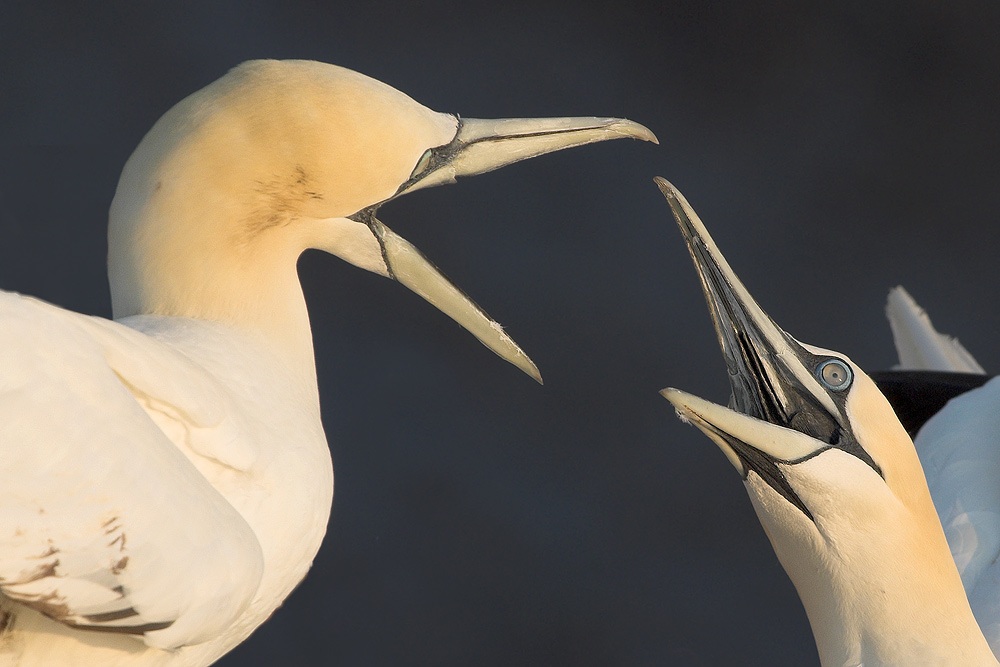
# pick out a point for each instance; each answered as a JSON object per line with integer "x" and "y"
{"x": 960, "y": 453}
{"x": 836, "y": 483}
{"x": 959, "y": 450}
{"x": 166, "y": 478}
{"x": 199, "y": 456}
{"x": 874, "y": 571}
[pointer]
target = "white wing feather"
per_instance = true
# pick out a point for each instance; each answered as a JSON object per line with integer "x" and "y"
{"x": 104, "y": 522}
{"x": 959, "y": 449}
{"x": 918, "y": 344}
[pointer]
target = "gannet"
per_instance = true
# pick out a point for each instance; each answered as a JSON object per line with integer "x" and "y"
{"x": 958, "y": 446}
{"x": 835, "y": 481}
{"x": 166, "y": 478}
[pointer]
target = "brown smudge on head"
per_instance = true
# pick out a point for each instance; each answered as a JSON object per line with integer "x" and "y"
{"x": 277, "y": 202}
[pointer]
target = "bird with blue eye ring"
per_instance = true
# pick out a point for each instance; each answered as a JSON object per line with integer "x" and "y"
{"x": 834, "y": 374}
{"x": 838, "y": 485}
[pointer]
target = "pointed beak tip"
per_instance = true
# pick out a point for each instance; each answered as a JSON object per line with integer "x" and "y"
{"x": 622, "y": 127}
{"x": 625, "y": 128}
{"x": 644, "y": 133}
{"x": 504, "y": 347}
{"x": 676, "y": 398}
{"x": 666, "y": 187}
{"x": 534, "y": 374}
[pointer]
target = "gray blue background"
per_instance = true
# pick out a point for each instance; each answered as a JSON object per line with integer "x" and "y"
{"x": 481, "y": 519}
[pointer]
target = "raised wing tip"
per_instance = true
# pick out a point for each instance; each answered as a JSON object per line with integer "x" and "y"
{"x": 919, "y": 346}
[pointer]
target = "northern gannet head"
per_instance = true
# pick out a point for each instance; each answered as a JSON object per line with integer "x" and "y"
{"x": 235, "y": 181}
{"x": 835, "y": 481}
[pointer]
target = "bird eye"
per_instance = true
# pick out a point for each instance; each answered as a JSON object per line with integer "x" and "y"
{"x": 422, "y": 163}
{"x": 834, "y": 374}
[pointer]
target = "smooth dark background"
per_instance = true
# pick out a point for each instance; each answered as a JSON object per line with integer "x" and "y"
{"x": 480, "y": 519}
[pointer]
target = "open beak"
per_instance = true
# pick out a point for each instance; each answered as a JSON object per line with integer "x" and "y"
{"x": 748, "y": 443}
{"x": 766, "y": 366}
{"x": 480, "y": 146}
{"x": 780, "y": 410}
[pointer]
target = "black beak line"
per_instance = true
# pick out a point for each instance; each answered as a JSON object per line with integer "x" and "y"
{"x": 772, "y": 376}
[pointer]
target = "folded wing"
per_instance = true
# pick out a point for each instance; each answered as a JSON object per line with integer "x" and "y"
{"x": 105, "y": 524}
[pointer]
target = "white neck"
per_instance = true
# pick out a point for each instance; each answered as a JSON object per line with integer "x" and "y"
{"x": 188, "y": 237}
{"x": 879, "y": 585}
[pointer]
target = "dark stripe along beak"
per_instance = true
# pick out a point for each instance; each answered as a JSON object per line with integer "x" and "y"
{"x": 480, "y": 146}
{"x": 775, "y": 381}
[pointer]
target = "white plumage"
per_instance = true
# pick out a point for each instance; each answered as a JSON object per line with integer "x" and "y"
{"x": 166, "y": 478}
{"x": 918, "y": 345}
{"x": 148, "y": 472}
{"x": 959, "y": 449}
{"x": 838, "y": 486}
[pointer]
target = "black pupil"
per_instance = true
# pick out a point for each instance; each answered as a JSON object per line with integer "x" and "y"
{"x": 834, "y": 374}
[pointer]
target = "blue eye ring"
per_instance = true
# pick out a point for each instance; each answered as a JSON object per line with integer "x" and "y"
{"x": 835, "y": 374}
